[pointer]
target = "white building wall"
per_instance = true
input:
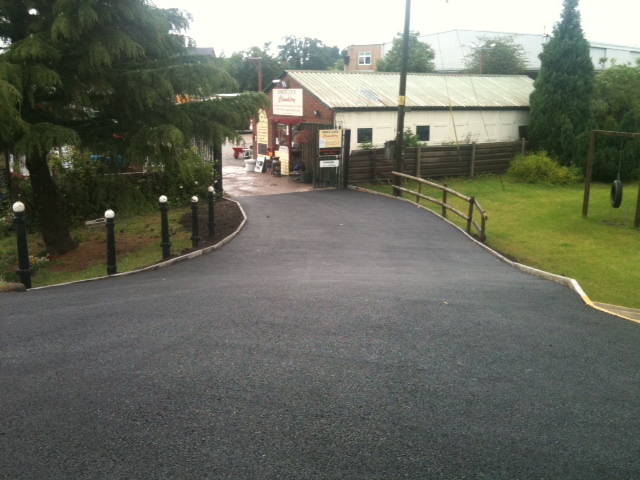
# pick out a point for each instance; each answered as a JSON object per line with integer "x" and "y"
{"x": 445, "y": 127}
{"x": 452, "y": 46}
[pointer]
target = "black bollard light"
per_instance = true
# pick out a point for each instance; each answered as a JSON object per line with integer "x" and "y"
{"x": 195, "y": 231}
{"x": 212, "y": 218}
{"x": 111, "y": 242}
{"x": 24, "y": 268}
{"x": 164, "y": 223}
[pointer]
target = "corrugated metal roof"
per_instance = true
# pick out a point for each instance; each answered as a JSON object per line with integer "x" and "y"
{"x": 347, "y": 90}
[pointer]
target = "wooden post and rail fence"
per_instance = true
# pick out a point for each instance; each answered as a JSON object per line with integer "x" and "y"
{"x": 473, "y": 206}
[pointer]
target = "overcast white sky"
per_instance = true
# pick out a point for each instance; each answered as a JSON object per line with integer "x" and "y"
{"x": 230, "y": 26}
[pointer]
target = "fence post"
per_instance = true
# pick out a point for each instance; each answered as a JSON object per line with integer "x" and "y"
{"x": 444, "y": 200}
{"x": 472, "y": 200}
{"x": 195, "y": 231}
{"x": 483, "y": 235}
{"x": 212, "y": 222}
{"x": 418, "y": 156}
{"x": 164, "y": 225}
{"x": 473, "y": 159}
{"x": 346, "y": 157}
{"x": 112, "y": 268}
{"x": 374, "y": 163}
{"x": 24, "y": 269}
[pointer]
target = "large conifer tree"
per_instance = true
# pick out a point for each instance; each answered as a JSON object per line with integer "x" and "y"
{"x": 104, "y": 74}
{"x": 560, "y": 103}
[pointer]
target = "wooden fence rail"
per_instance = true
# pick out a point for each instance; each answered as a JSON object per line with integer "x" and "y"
{"x": 468, "y": 216}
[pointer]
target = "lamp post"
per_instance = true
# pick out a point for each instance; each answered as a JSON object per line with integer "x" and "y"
{"x": 164, "y": 223}
{"x": 112, "y": 268}
{"x": 212, "y": 223}
{"x": 24, "y": 269}
{"x": 195, "y": 234}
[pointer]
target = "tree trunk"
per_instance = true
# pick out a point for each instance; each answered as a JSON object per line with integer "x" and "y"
{"x": 55, "y": 229}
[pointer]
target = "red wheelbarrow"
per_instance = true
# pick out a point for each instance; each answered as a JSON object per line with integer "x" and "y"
{"x": 244, "y": 151}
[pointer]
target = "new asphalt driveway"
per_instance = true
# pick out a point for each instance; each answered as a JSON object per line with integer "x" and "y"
{"x": 341, "y": 335}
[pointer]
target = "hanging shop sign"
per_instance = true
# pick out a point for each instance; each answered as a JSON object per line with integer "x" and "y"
{"x": 287, "y": 101}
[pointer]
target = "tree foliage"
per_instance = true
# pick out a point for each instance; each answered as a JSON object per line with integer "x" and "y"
{"x": 419, "y": 60}
{"x": 105, "y": 76}
{"x": 306, "y": 54}
{"x": 616, "y": 107}
{"x": 560, "y": 103}
{"x": 499, "y": 55}
{"x": 245, "y": 71}
{"x": 617, "y": 92}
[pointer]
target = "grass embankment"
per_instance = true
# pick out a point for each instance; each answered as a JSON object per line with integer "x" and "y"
{"x": 542, "y": 226}
{"x": 138, "y": 241}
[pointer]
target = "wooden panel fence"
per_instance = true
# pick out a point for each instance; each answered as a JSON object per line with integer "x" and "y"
{"x": 435, "y": 161}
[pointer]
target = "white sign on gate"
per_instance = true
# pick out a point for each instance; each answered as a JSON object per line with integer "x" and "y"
{"x": 329, "y": 163}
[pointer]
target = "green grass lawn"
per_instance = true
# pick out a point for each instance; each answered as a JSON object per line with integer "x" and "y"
{"x": 542, "y": 226}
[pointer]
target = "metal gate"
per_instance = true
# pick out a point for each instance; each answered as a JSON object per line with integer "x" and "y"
{"x": 317, "y": 168}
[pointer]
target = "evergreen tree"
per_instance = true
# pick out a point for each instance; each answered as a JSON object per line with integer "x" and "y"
{"x": 420, "y": 58}
{"x": 106, "y": 76}
{"x": 560, "y": 102}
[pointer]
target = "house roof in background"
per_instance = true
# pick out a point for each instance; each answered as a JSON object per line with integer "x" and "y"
{"x": 205, "y": 51}
{"x": 376, "y": 90}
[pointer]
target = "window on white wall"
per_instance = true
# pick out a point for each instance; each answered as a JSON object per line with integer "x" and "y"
{"x": 365, "y": 135}
{"x": 364, "y": 58}
{"x": 423, "y": 132}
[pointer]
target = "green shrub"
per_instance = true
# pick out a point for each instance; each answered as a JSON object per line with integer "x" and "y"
{"x": 540, "y": 168}
{"x": 411, "y": 139}
{"x": 88, "y": 187}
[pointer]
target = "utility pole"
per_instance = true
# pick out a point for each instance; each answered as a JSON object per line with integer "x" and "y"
{"x": 399, "y": 150}
{"x": 254, "y": 140}
{"x": 258, "y": 62}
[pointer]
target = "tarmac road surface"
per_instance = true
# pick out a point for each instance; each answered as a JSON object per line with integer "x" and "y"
{"x": 341, "y": 335}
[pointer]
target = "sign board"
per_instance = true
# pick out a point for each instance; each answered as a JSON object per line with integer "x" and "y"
{"x": 329, "y": 163}
{"x": 262, "y": 133}
{"x": 330, "y": 142}
{"x": 287, "y": 101}
{"x": 259, "y": 165}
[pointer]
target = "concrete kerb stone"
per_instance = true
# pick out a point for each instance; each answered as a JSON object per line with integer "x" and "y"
{"x": 568, "y": 282}
{"x": 165, "y": 263}
{"x": 13, "y": 287}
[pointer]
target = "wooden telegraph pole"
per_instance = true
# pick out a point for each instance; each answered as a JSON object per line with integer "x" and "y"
{"x": 399, "y": 153}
